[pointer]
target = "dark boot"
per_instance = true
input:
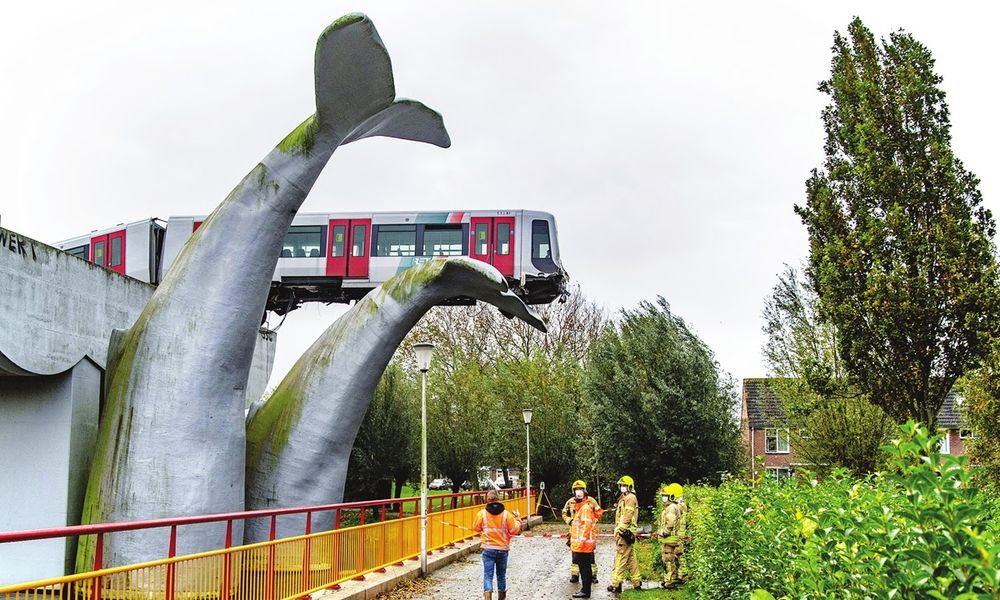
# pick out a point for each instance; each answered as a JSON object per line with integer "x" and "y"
{"x": 502, "y": 595}
{"x": 615, "y": 589}
{"x": 574, "y": 578}
{"x": 581, "y": 594}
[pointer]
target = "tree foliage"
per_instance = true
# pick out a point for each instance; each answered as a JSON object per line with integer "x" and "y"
{"x": 981, "y": 410}
{"x": 386, "y": 450}
{"x": 900, "y": 244}
{"x": 487, "y": 368}
{"x": 661, "y": 409}
{"x": 831, "y": 424}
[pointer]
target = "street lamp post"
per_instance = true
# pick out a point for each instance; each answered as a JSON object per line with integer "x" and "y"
{"x": 526, "y": 413}
{"x": 423, "y": 352}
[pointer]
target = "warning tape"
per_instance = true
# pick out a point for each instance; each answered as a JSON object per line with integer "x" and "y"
{"x": 548, "y": 535}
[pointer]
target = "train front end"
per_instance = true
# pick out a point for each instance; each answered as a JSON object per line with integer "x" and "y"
{"x": 543, "y": 278}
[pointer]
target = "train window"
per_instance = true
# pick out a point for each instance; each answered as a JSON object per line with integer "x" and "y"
{"x": 443, "y": 240}
{"x": 116, "y": 252}
{"x": 338, "y": 241}
{"x": 303, "y": 241}
{"x": 395, "y": 240}
{"x": 99, "y": 253}
{"x": 482, "y": 241}
{"x": 358, "y": 241}
{"x": 503, "y": 238}
{"x": 79, "y": 251}
{"x": 540, "y": 245}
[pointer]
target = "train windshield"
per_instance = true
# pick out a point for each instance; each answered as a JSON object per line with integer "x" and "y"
{"x": 540, "y": 245}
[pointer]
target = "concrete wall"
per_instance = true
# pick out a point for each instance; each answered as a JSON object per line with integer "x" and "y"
{"x": 56, "y": 317}
{"x": 49, "y": 426}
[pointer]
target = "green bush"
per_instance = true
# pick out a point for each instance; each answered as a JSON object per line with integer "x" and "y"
{"x": 924, "y": 529}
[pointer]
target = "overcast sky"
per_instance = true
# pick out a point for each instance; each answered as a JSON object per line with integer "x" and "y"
{"x": 669, "y": 139}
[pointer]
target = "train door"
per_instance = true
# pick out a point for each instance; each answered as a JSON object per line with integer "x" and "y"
{"x": 493, "y": 242}
{"x": 336, "y": 258}
{"x": 359, "y": 231}
{"x": 503, "y": 245}
{"x": 99, "y": 250}
{"x": 116, "y": 251}
{"x": 480, "y": 246}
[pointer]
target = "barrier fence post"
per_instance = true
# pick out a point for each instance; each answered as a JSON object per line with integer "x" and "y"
{"x": 227, "y": 563}
{"x": 98, "y": 565}
{"x": 269, "y": 575}
{"x": 172, "y": 566}
{"x": 306, "y": 559}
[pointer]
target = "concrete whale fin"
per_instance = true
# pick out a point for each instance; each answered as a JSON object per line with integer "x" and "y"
{"x": 174, "y": 412}
{"x": 406, "y": 120}
{"x": 299, "y": 441}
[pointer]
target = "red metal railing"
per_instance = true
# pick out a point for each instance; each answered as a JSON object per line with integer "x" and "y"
{"x": 435, "y": 503}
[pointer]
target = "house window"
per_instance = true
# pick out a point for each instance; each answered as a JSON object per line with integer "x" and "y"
{"x": 944, "y": 446}
{"x": 776, "y": 441}
{"x": 966, "y": 434}
{"x": 779, "y": 473}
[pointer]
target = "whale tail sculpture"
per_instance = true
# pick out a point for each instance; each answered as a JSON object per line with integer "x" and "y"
{"x": 172, "y": 436}
{"x": 299, "y": 441}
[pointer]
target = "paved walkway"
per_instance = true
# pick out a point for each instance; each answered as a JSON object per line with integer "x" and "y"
{"x": 538, "y": 568}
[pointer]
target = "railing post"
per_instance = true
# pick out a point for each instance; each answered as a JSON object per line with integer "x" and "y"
{"x": 361, "y": 552}
{"x": 98, "y": 565}
{"x": 306, "y": 559}
{"x": 172, "y": 566}
{"x": 269, "y": 576}
{"x": 383, "y": 513}
{"x": 227, "y": 563}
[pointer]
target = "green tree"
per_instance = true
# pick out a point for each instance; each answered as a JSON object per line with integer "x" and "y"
{"x": 982, "y": 411}
{"x": 900, "y": 245}
{"x": 552, "y": 387}
{"x": 830, "y": 423}
{"x": 661, "y": 409}
{"x": 387, "y": 447}
{"x": 457, "y": 418}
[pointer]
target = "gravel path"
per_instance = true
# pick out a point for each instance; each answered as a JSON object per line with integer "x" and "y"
{"x": 538, "y": 568}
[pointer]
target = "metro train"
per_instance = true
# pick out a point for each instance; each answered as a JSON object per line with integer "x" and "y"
{"x": 339, "y": 257}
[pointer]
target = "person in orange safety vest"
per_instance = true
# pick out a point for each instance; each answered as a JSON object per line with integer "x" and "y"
{"x": 496, "y": 527}
{"x": 583, "y": 541}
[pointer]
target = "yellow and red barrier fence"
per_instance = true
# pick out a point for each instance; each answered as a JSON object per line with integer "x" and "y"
{"x": 278, "y": 569}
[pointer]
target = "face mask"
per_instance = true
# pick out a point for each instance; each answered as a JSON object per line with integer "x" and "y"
{"x": 665, "y": 499}
{"x": 579, "y": 493}
{"x": 624, "y": 488}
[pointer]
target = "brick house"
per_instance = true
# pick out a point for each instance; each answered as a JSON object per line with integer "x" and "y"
{"x": 765, "y": 432}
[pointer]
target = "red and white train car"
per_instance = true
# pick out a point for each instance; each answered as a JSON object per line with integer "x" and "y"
{"x": 339, "y": 257}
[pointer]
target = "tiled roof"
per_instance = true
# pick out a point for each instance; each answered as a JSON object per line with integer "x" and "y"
{"x": 764, "y": 407}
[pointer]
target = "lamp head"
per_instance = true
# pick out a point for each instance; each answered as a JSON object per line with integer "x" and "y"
{"x": 526, "y": 413}
{"x": 423, "y": 351}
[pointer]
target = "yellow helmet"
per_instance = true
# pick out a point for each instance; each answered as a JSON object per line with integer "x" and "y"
{"x": 626, "y": 480}
{"x": 580, "y": 484}
{"x": 674, "y": 489}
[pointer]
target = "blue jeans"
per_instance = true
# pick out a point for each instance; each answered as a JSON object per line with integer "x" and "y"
{"x": 495, "y": 559}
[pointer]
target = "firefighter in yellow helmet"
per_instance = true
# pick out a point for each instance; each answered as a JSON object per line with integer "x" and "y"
{"x": 569, "y": 510}
{"x": 670, "y": 529}
{"x": 626, "y": 525}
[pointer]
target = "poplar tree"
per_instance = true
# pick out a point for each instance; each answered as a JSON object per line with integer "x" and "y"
{"x": 900, "y": 246}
